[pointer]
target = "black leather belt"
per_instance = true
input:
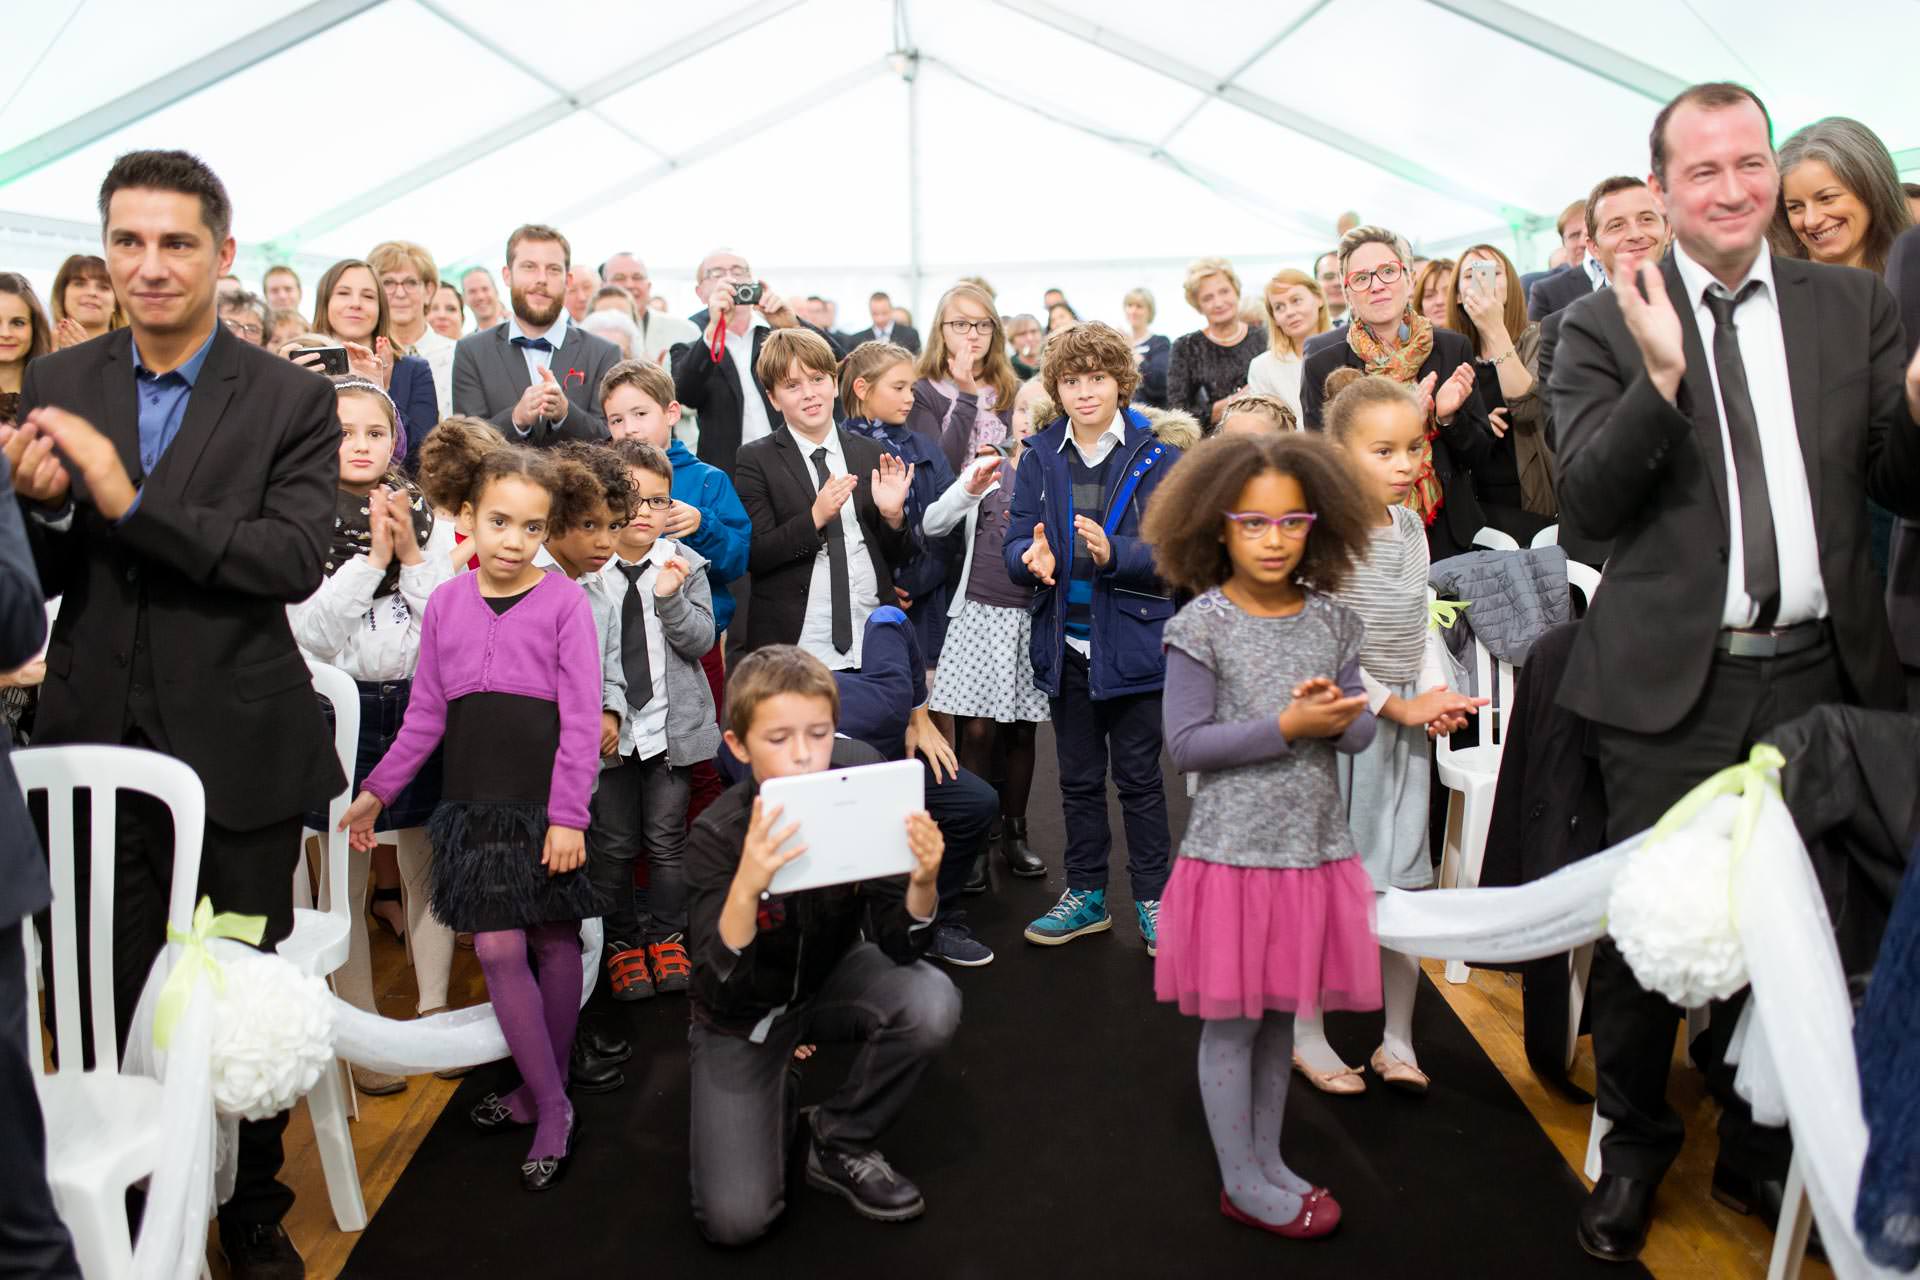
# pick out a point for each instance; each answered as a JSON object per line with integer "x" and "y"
{"x": 1773, "y": 642}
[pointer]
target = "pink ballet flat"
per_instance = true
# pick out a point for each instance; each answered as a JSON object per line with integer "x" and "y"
{"x": 1319, "y": 1215}
{"x": 1345, "y": 1082}
{"x": 1403, "y": 1076}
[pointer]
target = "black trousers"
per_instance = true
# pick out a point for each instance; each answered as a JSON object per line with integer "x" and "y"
{"x": 33, "y": 1240}
{"x": 249, "y": 872}
{"x": 1644, "y": 775}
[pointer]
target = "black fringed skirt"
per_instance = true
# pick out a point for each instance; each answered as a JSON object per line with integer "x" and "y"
{"x": 490, "y": 826}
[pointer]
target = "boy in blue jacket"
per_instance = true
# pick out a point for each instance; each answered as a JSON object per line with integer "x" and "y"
{"x": 1074, "y": 536}
{"x": 637, "y": 398}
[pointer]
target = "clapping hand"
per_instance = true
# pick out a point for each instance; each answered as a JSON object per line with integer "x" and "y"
{"x": 1439, "y": 709}
{"x": 1039, "y": 557}
{"x": 1497, "y": 422}
{"x": 1453, "y": 393}
{"x": 832, "y": 496}
{"x": 981, "y": 474}
{"x": 68, "y": 333}
{"x": 1655, "y": 327}
{"x": 891, "y": 483}
{"x": 38, "y": 473}
{"x": 380, "y": 529}
{"x": 553, "y": 403}
{"x": 87, "y": 452}
{"x": 1319, "y": 711}
{"x": 671, "y": 576}
{"x": 406, "y": 540}
{"x": 1096, "y": 539}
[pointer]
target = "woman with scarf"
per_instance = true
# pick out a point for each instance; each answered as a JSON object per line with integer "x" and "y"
{"x": 1387, "y": 336}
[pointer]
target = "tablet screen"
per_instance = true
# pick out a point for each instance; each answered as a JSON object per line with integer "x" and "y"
{"x": 853, "y": 822}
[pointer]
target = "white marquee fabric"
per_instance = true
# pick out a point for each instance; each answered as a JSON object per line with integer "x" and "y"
{"x": 851, "y": 144}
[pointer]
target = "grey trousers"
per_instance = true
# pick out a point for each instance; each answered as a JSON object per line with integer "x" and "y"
{"x": 900, "y": 1015}
{"x": 641, "y": 804}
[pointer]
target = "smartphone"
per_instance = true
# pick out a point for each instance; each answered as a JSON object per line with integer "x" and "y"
{"x": 333, "y": 360}
{"x": 1482, "y": 272}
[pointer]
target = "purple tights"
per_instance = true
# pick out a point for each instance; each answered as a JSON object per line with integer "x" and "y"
{"x": 537, "y": 1016}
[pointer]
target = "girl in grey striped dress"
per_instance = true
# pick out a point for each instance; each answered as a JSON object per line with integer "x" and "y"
{"x": 1380, "y": 424}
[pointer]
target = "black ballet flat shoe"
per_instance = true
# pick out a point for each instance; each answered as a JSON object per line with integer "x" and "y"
{"x": 1763, "y": 1198}
{"x": 1021, "y": 859}
{"x": 545, "y": 1173}
{"x": 1613, "y": 1222}
{"x": 492, "y": 1115}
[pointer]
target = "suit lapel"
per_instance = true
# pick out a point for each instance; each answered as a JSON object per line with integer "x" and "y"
{"x": 121, "y": 419}
{"x": 513, "y": 362}
{"x": 1798, "y": 304}
{"x": 1696, "y": 385}
{"x": 798, "y": 468}
{"x": 211, "y": 393}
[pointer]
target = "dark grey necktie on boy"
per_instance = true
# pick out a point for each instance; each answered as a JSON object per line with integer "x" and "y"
{"x": 836, "y": 537}
{"x": 1749, "y": 463}
{"x": 634, "y": 662}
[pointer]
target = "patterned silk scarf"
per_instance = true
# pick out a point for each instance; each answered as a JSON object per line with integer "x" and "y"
{"x": 1402, "y": 364}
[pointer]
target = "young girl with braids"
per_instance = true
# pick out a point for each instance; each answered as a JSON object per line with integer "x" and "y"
{"x": 1263, "y": 917}
{"x": 1380, "y": 425}
{"x": 510, "y": 680}
{"x": 365, "y": 619}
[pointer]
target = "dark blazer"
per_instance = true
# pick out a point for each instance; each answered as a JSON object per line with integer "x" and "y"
{"x": 24, "y": 888}
{"x": 490, "y": 373}
{"x": 904, "y": 335}
{"x": 231, "y": 528}
{"x": 710, "y": 388}
{"x": 1561, "y": 289}
{"x": 1903, "y": 557}
{"x": 1652, "y": 476}
{"x": 1461, "y": 445}
{"x": 776, "y": 488}
{"x": 418, "y": 401}
{"x": 1573, "y": 540}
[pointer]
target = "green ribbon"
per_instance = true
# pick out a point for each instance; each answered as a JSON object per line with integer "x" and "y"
{"x": 1751, "y": 781}
{"x": 1442, "y": 614}
{"x": 197, "y": 959}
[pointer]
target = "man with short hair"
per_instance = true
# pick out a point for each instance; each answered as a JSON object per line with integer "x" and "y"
{"x": 886, "y": 327}
{"x": 281, "y": 285}
{"x": 1326, "y": 269}
{"x": 476, "y": 287}
{"x": 659, "y": 332}
{"x": 714, "y": 374}
{"x": 1582, "y": 274}
{"x": 581, "y": 283}
{"x": 245, "y": 317}
{"x": 179, "y": 487}
{"x": 1723, "y": 417}
{"x": 409, "y": 279}
{"x": 536, "y": 377}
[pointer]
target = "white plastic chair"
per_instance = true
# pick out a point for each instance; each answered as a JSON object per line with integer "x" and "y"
{"x": 1547, "y": 537}
{"x": 1471, "y": 774}
{"x": 1583, "y": 578}
{"x": 318, "y": 945}
{"x": 103, "y": 1128}
{"x": 1491, "y": 539}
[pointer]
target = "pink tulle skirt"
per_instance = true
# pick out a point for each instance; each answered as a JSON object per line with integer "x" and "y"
{"x": 1238, "y": 941}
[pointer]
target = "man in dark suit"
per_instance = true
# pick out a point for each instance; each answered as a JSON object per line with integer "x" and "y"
{"x": 1575, "y": 280}
{"x": 537, "y": 376}
{"x": 733, "y": 407}
{"x": 1625, "y": 227}
{"x": 179, "y": 487}
{"x": 885, "y": 328}
{"x": 1903, "y": 557}
{"x": 33, "y": 1240}
{"x": 828, "y": 510}
{"x": 1723, "y": 417}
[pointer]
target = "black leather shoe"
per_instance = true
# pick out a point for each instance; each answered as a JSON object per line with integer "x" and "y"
{"x": 1613, "y": 1221}
{"x": 977, "y": 880}
{"x": 601, "y": 1043}
{"x": 589, "y": 1074}
{"x": 1761, "y": 1197}
{"x": 866, "y": 1181}
{"x": 492, "y": 1115}
{"x": 545, "y": 1173}
{"x": 260, "y": 1251}
{"x": 1021, "y": 859}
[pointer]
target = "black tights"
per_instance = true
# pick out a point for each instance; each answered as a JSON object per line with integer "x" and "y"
{"x": 1002, "y": 754}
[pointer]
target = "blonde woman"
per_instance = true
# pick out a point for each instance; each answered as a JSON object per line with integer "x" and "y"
{"x": 1295, "y": 310}
{"x": 964, "y": 387}
{"x": 1209, "y": 366}
{"x": 1151, "y": 351}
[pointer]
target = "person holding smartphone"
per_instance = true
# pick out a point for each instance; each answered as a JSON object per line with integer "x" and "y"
{"x": 1515, "y": 481}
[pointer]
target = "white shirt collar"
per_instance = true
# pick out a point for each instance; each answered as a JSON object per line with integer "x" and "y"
{"x": 1117, "y": 429}
{"x": 557, "y": 335}
{"x": 806, "y": 447}
{"x": 1696, "y": 278}
{"x": 657, "y": 554}
{"x": 1596, "y": 273}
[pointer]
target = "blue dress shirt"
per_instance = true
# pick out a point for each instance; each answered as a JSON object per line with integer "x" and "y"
{"x": 162, "y": 405}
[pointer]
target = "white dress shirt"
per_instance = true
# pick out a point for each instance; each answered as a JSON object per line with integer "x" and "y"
{"x": 754, "y": 422}
{"x": 816, "y": 633}
{"x": 1110, "y": 439}
{"x": 643, "y": 733}
{"x": 536, "y": 358}
{"x": 1763, "y": 351}
{"x": 437, "y": 350}
{"x": 1596, "y": 273}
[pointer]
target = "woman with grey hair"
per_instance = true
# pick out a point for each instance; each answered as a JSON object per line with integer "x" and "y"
{"x": 1840, "y": 196}
{"x": 1151, "y": 351}
{"x": 616, "y": 326}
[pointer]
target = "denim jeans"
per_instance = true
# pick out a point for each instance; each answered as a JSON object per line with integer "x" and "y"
{"x": 900, "y": 1015}
{"x": 1086, "y": 735}
{"x": 640, "y": 803}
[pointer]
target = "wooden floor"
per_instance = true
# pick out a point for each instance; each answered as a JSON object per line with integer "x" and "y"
{"x": 1693, "y": 1238}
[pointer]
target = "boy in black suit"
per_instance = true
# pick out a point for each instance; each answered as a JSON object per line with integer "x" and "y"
{"x": 828, "y": 511}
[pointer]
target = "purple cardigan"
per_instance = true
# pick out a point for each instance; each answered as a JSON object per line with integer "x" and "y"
{"x": 543, "y": 647}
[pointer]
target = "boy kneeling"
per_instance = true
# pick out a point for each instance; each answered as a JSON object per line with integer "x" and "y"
{"x": 771, "y": 973}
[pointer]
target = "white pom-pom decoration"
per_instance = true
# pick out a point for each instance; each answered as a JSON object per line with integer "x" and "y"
{"x": 272, "y": 1035}
{"x": 1671, "y": 913}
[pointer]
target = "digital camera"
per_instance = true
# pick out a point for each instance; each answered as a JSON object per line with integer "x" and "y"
{"x": 746, "y": 295}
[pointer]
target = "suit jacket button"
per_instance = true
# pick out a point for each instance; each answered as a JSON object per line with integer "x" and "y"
{"x": 133, "y": 573}
{"x": 119, "y": 659}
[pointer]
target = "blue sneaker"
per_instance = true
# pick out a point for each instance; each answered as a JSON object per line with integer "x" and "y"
{"x": 1149, "y": 912}
{"x": 1078, "y": 911}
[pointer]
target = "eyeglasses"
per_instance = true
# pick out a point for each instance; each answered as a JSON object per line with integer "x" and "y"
{"x": 406, "y": 284}
{"x": 1385, "y": 273}
{"x": 726, "y": 273}
{"x": 656, "y": 503}
{"x": 241, "y": 329}
{"x": 1253, "y": 525}
{"x": 981, "y": 327}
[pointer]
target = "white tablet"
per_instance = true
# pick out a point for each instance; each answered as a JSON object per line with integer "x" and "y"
{"x": 853, "y": 822}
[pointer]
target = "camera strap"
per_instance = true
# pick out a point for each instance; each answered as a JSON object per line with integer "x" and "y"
{"x": 719, "y": 347}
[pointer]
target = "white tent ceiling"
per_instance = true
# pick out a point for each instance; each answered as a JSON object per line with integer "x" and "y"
{"x": 846, "y": 144}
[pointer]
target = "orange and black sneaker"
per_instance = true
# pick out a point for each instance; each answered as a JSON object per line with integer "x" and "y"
{"x": 628, "y": 976}
{"x": 672, "y": 971}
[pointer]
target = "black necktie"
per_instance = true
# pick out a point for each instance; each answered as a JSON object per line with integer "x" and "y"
{"x": 538, "y": 344}
{"x": 836, "y": 537}
{"x": 633, "y": 638}
{"x": 1749, "y": 463}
